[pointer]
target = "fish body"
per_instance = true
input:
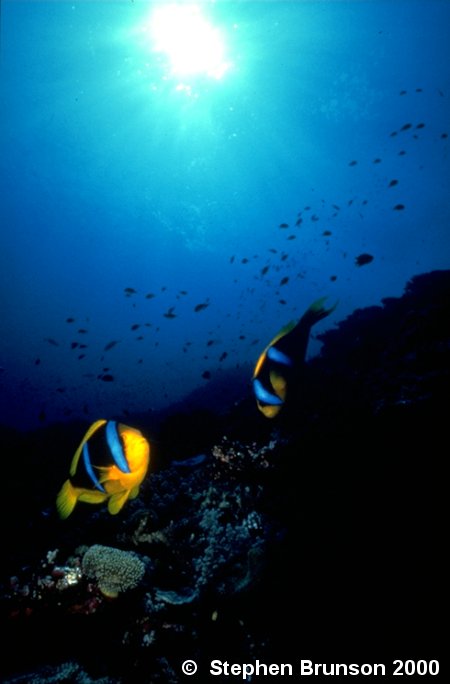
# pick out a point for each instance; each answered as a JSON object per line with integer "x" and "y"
{"x": 363, "y": 259}
{"x": 200, "y": 307}
{"x": 281, "y": 359}
{"x": 108, "y": 466}
{"x": 110, "y": 345}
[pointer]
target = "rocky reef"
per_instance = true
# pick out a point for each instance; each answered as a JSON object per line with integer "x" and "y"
{"x": 327, "y": 518}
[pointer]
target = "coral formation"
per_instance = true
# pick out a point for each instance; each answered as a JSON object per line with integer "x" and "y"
{"x": 114, "y": 570}
{"x": 66, "y": 672}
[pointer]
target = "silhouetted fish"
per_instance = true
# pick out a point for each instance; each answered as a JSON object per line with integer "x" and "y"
{"x": 200, "y": 307}
{"x": 110, "y": 345}
{"x": 363, "y": 259}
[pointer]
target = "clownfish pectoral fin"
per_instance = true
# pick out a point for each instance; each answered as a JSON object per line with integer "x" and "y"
{"x": 264, "y": 395}
{"x": 134, "y": 492}
{"x": 117, "y": 501}
{"x": 92, "y": 496}
{"x": 66, "y": 500}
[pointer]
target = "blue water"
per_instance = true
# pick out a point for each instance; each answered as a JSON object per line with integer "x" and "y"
{"x": 117, "y": 174}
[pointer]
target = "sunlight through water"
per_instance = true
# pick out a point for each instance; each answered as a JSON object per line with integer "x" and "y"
{"x": 190, "y": 43}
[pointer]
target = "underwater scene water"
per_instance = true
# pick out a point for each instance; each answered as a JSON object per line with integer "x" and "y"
{"x": 180, "y": 181}
{"x": 132, "y": 195}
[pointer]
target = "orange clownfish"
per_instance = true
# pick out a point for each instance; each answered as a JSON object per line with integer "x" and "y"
{"x": 280, "y": 360}
{"x": 109, "y": 465}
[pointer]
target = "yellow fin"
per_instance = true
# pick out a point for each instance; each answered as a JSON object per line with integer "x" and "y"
{"x": 269, "y": 411}
{"x": 317, "y": 311}
{"x": 134, "y": 492}
{"x": 92, "y": 496}
{"x": 94, "y": 427}
{"x": 112, "y": 486}
{"x": 279, "y": 384}
{"x": 66, "y": 500}
{"x": 117, "y": 501}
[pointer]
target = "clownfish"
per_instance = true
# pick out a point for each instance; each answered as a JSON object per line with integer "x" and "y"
{"x": 281, "y": 359}
{"x": 109, "y": 465}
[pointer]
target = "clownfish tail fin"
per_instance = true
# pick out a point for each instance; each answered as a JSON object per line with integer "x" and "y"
{"x": 66, "y": 500}
{"x": 317, "y": 311}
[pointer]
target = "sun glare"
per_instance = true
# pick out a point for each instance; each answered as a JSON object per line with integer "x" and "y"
{"x": 191, "y": 44}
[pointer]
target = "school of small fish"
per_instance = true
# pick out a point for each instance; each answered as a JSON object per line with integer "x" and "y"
{"x": 278, "y": 270}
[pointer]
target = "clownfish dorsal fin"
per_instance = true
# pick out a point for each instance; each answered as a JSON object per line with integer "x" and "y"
{"x": 94, "y": 427}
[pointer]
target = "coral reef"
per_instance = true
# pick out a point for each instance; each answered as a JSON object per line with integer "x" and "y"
{"x": 328, "y": 517}
{"x": 66, "y": 672}
{"x": 115, "y": 571}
